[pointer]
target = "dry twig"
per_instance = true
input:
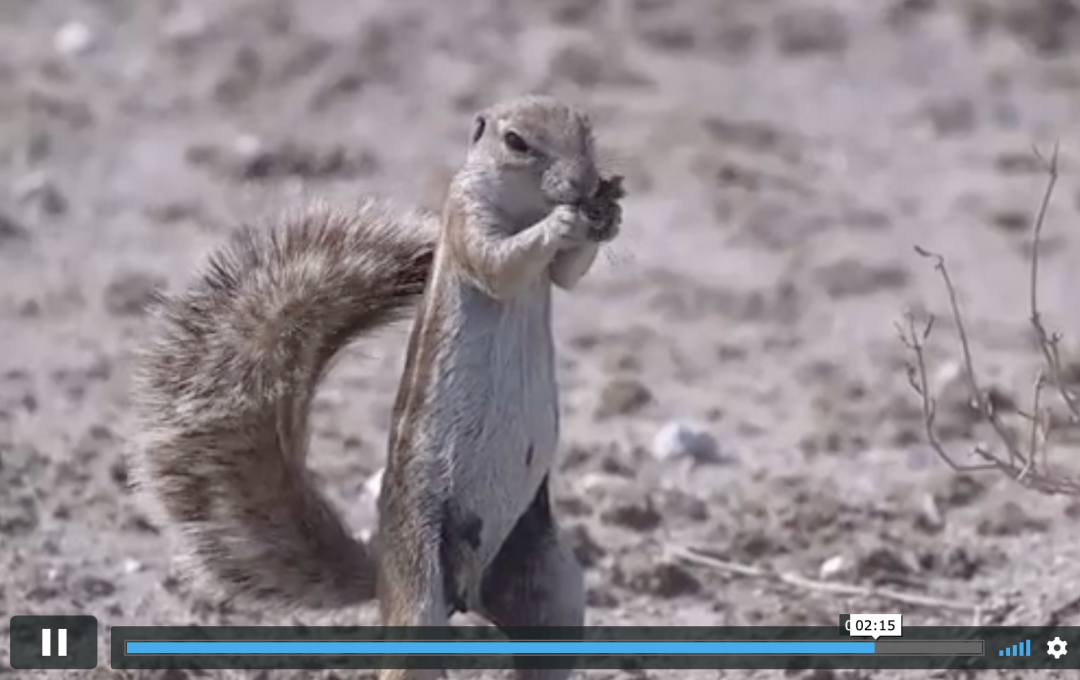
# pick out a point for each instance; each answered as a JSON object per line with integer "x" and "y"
{"x": 1024, "y": 461}
{"x": 704, "y": 558}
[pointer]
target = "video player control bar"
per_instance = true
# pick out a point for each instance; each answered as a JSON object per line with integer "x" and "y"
{"x": 245, "y": 648}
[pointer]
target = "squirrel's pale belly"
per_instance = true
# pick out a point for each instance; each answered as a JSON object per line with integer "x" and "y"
{"x": 498, "y": 425}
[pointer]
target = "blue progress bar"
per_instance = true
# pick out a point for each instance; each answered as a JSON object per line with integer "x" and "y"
{"x": 238, "y": 647}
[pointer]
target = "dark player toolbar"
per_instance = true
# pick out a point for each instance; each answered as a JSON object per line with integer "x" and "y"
{"x": 860, "y": 641}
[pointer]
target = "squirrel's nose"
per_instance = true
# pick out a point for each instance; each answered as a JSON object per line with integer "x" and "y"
{"x": 572, "y": 185}
{"x": 582, "y": 184}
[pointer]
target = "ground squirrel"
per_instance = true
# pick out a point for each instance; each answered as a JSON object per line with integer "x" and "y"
{"x": 224, "y": 389}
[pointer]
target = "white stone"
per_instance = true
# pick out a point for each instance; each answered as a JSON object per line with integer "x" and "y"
{"x": 247, "y": 145}
{"x": 599, "y": 481}
{"x": 833, "y": 567}
{"x": 930, "y": 511}
{"x": 373, "y": 484}
{"x": 681, "y": 439}
{"x": 73, "y": 38}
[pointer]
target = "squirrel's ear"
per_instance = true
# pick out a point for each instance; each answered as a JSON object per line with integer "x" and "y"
{"x": 479, "y": 125}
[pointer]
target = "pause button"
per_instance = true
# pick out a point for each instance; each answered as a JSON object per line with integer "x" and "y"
{"x": 53, "y": 642}
{"x": 61, "y": 642}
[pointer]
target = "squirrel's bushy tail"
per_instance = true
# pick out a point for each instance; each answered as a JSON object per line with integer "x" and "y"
{"x": 224, "y": 385}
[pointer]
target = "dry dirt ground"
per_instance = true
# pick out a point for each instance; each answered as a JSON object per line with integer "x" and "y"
{"x": 783, "y": 158}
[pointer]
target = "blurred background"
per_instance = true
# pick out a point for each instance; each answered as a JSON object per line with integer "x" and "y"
{"x": 733, "y": 381}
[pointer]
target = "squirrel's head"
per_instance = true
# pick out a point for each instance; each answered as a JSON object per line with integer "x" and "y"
{"x": 533, "y": 153}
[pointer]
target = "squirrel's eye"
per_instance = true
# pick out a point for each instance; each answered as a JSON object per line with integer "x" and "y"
{"x": 515, "y": 143}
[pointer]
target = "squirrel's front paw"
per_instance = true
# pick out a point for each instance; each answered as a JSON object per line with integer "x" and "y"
{"x": 594, "y": 220}
{"x": 571, "y": 226}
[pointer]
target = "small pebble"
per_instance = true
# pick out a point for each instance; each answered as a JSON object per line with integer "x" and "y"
{"x": 132, "y": 566}
{"x": 680, "y": 439}
{"x": 833, "y": 567}
{"x": 373, "y": 484}
{"x": 950, "y": 370}
{"x": 73, "y": 38}
{"x": 247, "y": 146}
{"x": 597, "y": 481}
{"x": 370, "y": 491}
{"x": 929, "y": 514}
{"x": 953, "y": 390}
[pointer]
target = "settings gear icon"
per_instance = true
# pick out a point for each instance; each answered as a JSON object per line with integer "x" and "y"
{"x": 1056, "y": 648}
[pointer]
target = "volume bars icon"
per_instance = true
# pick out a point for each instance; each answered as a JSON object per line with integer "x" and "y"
{"x": 1019, "y": 649}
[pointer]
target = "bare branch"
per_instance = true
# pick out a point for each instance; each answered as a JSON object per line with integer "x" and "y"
{"x": 1027, "y": 463}
{"x": 1048, "y": 342}
{"x": 705, "y": 558}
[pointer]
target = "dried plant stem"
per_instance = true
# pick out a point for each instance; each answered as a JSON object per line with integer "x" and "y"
{"x": 1024, "y": 459}
{"x": 702, "y": 557}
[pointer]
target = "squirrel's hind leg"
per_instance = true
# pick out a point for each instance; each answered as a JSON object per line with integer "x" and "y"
{"x": 536, "y": 580}
{"x": 411, "y": 587}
